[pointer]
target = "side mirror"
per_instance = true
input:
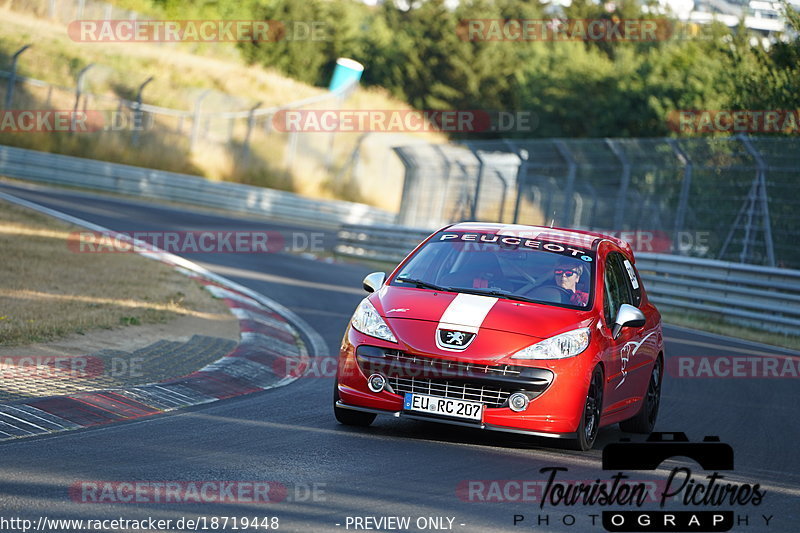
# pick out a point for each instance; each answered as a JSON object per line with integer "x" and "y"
{"x": 628, "y": 316}
{"x": 374, "y": 281}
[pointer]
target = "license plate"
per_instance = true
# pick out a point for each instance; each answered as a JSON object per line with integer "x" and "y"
{"x": 443, "y": 406}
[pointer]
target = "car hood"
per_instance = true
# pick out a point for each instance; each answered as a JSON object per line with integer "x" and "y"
{"x": 484, "y": 312}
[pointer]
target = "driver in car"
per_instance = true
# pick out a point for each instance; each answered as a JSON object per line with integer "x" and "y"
{"x": 567, "y": 277}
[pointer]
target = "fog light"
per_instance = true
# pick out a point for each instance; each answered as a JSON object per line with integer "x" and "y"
{"x": 518, "y": 402}
{"x": 376, "y": 383}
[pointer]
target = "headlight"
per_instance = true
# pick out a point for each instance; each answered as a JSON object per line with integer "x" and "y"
{"x": 367, "y": 320}
{"x": 567, "y": 344}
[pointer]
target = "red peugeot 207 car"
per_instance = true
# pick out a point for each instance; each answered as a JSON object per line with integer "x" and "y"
{"x": 514, "y": 328}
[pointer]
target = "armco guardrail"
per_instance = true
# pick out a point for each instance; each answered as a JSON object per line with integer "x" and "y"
{"x": 378, "y": 243}
{"x": 44, "y": 167}
{"x": 761, "y": 297}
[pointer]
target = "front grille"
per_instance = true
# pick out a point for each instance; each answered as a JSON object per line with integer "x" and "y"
{"x": 456, "y": 366}
{"x": 490, "y": 396}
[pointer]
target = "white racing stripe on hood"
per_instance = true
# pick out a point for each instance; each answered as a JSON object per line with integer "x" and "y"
{"x": 467, "y": 312}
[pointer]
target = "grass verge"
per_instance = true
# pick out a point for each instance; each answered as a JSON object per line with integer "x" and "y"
{"x": 48, "y": 291}
{"x": 719, "y": 326}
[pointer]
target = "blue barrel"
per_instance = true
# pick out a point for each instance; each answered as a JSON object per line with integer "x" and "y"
{"x": 346, "y": 72}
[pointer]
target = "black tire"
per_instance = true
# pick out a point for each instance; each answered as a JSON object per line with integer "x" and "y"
{"x": 645, "y": 419}
{"x": 349, "y": 417}
{"x": 592, "y": 410}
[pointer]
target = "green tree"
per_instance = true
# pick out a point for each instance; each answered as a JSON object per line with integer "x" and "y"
{"x": 300, "y": 58}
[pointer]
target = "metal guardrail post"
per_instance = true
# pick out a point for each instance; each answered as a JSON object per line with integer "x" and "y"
{"x": 78, "y": 91}
{"x": 409, "y": 182}
{"x": 479, "y": 179}
{"x": 729, "y": 237}
{"x": 351, "y": 165}
{"x": 572, "y": 168}
{"x": 447, "y": 181}
{"x": 137, "y": 119}
{"x": 12, "y": 79}
{"x": 462, "y": 213}
{"x": 761, "y": 197}
{"x": 231, "y": 128}
{"x": 747, "y": 211}
{"x": 593, "y": 194}
{"x": 522, "y": 174}
{"x": 291, "y": 149}
{"x": 505, "y": 191}
{"x": 251, "y": 122}
{"x": 623, "y": 186}
{"x": 683, "y": 200}
{"x": 196, "y": 119}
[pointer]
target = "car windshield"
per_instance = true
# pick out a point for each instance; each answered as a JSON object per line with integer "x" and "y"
{"x": 505, "y": 266}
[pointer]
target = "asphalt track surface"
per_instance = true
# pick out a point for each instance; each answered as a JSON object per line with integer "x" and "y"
{"x": 396, "y": 467}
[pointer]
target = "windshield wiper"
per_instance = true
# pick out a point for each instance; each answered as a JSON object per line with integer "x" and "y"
{"x": 423, "y": 284}
{"x": 494, "y": 292}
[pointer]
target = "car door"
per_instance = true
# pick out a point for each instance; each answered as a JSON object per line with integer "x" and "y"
{"x": 642, "y": 347}
{"x": 617, "y": 290}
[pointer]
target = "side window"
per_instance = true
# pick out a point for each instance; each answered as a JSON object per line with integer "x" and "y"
{"x": 608, "y": 310}
{"x": 634, "y": 285}
{"x": 617, "y": 287}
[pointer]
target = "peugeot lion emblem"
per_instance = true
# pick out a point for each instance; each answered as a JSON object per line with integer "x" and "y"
{"x": 453, "y": 339}
{"x": 456, "y": 337}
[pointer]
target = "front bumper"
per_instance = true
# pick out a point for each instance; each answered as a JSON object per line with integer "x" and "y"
{"x": 491, "y": 427}
{"x": 557, "y": 389}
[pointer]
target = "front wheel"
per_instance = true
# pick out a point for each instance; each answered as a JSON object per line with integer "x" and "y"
{"x": 349, "y": 417}
{"x": 593, "y": 408}
{"x": 645, "y": 419}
